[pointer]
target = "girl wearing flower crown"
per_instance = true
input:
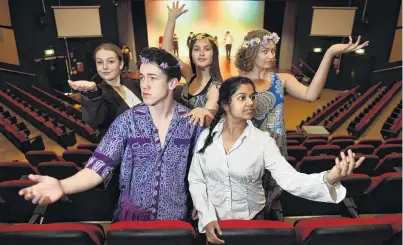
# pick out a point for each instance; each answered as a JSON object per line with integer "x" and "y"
{"x": 203, "y": 75}
{"x": 256, "y": 58}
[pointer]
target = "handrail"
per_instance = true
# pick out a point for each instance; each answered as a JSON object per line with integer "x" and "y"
{"x": 387, "y": 69}
{"x": 307, "y": 66}
{"x": 18, "y": 72}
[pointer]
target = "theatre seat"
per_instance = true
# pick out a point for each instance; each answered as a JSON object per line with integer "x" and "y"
{"x": 79, "y": 157}
{"x": 297, "y": 151}
{"x": 315, "y": 164}
{"x": 396, "y": 221}
{"x": 390, "y": 163}
{"x": 161, "y": 232}
{"x": 343, "y": 143}
{"x": 383, "y": 196}
{"x": 15, "y": 170}
{"x": 17, "y": 209}
{"x": 91, "y": 147}
{"x": 36, "y": 157}
{"x": 342, "y": 231}
{"x": 367, "y": 167}
{"x": 256, "y": 232}
{"x": 57, "y": 234}
{"x": 325, "y": 150}
{"x": 374, "y": 142}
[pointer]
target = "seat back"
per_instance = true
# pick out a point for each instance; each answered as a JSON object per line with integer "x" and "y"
{"x": 256, "y": 232}
{"x": 18, "y": 210}
{"x": 337, "y": 231}
{"x": 160, "y": 232}
{"x": 309, "y": 144}
{"x": 79, "y": 157}
{"x": 343, "y": 143}
{"x": 58, "y": 170}
{"x": 14, "y": 170}
{"x": 325, "y": 150}
{"x": 298, "y": 152}
{"x": 387, "y": 149}
{"x": 36, "y": 157}
{"x": 368, "y": 166}
{"x": 316, "y": 164}
{"x": 356, "y": 184}
{"x": 383, "y": 196}
{"x": 374, "y": 142}
{"x": 47, "y": 234}
{"x": 361, "y": 149}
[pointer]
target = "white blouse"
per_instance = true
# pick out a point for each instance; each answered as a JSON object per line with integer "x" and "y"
{"x": 229, "y": 185}
{"x": 128, "y": 96}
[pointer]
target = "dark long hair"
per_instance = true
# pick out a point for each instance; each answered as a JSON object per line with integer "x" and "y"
{"x": 215, "y": 72}
{"x": 227, "y": 89}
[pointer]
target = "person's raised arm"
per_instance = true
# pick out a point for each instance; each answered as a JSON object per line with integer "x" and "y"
{"x": 167, "y": 43}
{"x": 312, "y": 92}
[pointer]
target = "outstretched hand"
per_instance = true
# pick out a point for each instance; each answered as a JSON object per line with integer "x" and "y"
{"x": 83, "y": 86}
{"x": 47, "y": 190}
{"x": 341, "y": 48}
{"x": 175, "y": 11}
{"x": 344, "y": 167}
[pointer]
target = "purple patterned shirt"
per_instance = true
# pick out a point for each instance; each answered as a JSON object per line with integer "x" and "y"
{"x": 152, "y": 179}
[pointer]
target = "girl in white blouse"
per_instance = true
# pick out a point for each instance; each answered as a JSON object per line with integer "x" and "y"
{"x": 225, "y": 177}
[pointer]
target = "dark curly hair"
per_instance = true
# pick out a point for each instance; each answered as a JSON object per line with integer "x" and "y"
{"x": 227, "y": 89}
{"x": 158, "y": 56}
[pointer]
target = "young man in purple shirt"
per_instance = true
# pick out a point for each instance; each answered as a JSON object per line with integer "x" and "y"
{"x": 151, "y": 143}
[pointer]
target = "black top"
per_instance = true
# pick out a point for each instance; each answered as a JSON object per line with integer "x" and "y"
{"x": 100, "y": 108}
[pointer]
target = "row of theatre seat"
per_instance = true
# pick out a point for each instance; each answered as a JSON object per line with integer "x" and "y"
{"x": 18, "y": 133}
{"x": 46, "y": 163}
{"x": 365, "y": 195}
{"x": 68, "y": 99}
{"x": 56, "y": 102}
{"x": 339, "y": 109}
{"x": 361, "y": 123}
{"x": 341, "y": 140}
{"x": 393, "y": 124}
{"x": 59, "y": 114}
{"x": 330, "y": 107}
{"x": 385, "y": 230}
{"x": 363, "y": 147}
{"x": 339, "y": 116}
{"x": 71, "y": 161}
{"x": 372, "y": 166}
{"x": 318, "y": 155}
{"x": 40, "y": 119}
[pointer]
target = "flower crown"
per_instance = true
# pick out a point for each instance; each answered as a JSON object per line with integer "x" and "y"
{"x": 256, "y": 41}
{"x": 205, "y": 35}
{"x": 163, "y": 65}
